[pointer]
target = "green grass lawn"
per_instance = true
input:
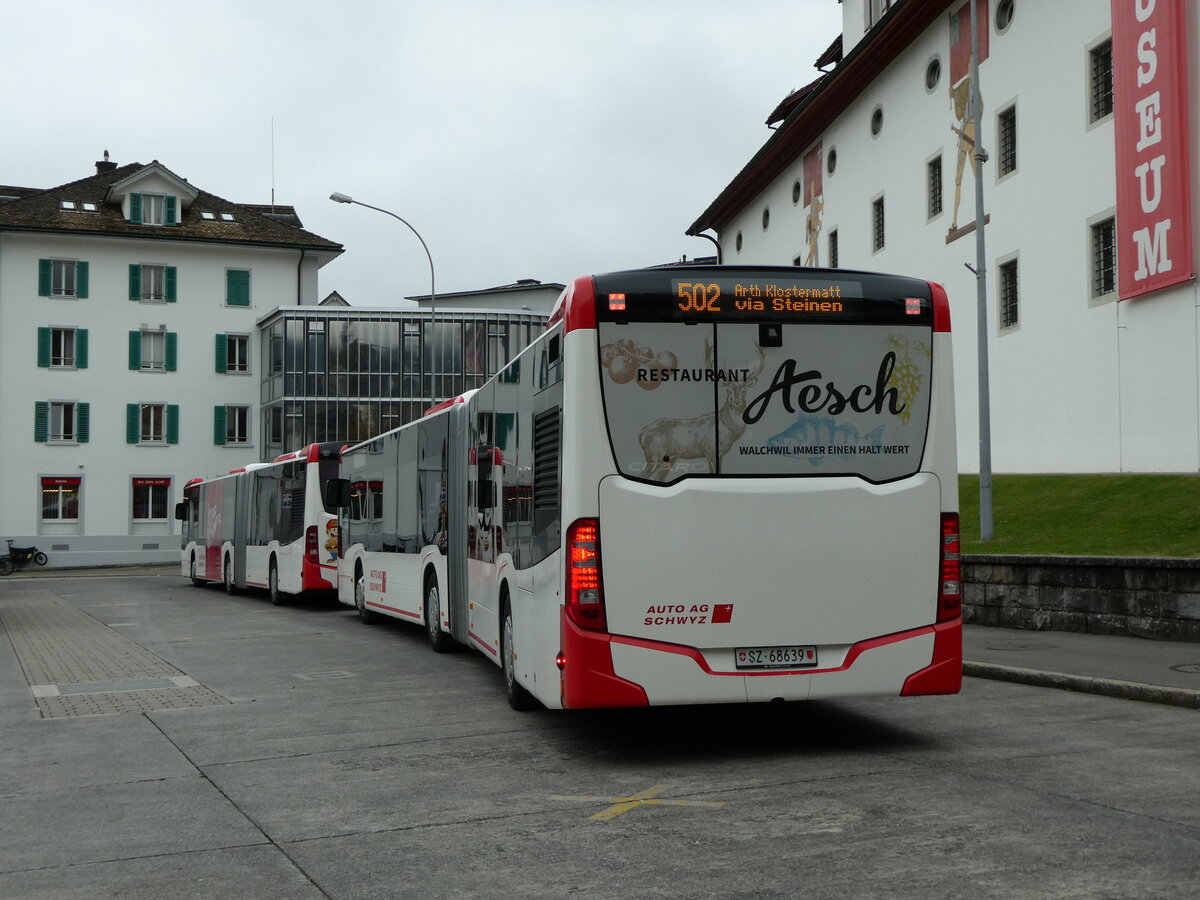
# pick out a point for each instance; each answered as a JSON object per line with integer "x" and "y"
{"x": 1086, "y": 515}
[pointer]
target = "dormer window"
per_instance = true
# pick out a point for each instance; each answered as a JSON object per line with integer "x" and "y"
{"x": 88, "y": 207}
{"x": 208, "y": 216}
{"x": 153, "y": 209}
{"x": 67, "y": 204}
{"x": 226, "y": 217}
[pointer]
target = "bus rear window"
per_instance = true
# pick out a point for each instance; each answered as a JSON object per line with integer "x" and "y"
{"x": 737, "y": 398}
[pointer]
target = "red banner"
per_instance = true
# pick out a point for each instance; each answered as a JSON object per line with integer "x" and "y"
{"x": 61, "y": 482}
{"x": 1150, "y": 118}
{"x": 153, "y": 482}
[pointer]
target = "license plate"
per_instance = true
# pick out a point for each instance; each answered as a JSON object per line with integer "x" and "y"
{"x": 775, "y": 657}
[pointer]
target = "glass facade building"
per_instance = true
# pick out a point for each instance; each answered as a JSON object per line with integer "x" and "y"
{"x": 348, "y": 374}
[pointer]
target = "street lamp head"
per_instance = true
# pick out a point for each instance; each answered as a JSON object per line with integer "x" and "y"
{"x": 340, "y": 198}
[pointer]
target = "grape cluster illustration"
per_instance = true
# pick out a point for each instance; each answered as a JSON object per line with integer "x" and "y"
{"x": 625, "y": 357}
{"x": 906, "y": 378}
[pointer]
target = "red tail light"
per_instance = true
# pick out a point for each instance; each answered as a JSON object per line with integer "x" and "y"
{"x": 950, "y": 597}
{"x": 311, "y": 544}
{"x": 585, "y": 592}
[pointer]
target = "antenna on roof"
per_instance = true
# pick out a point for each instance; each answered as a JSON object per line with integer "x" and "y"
{"x": 272, "y": 162}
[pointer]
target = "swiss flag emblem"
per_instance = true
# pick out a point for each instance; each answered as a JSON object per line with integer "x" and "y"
{"x": 722, "y": 612}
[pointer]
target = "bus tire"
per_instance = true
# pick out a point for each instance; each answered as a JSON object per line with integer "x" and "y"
{"x": 277, "y": 596}
{"x": 518, "y": 697}
{"x": 438, "y": 639}
{"x": 360, "y": 598}
{"x": 227, "y": 576}
{"x": 196, "y": 582}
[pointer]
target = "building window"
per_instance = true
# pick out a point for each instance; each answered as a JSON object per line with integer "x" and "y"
{"x": 151, "y": 423}
{"x": 877, "y": 224}
{"x": 1104, "y": 257}
{"x": 152, "y": 283}
{"x": 1009, "y": 296}
{"x": 737, "y": 242}
{"x": 233, "y": 353}
{"x": 766, "y": 217}
{"x": 231, "y": 425}
{"x": 153, "y": 350}
{"x": 237, "y": 287}
{"x": 62, "y": 278}
{"x": 796, "y": 192}
{"x": 833, "y": 248}
{"x": 150, "y": 499}
{"x": 60, "y": 422}
{"x": 60, "y": 499}
{"x": 877, "y": 121}
{"x": 933, "y": 74}
{"x": 62, "y": 348}
{"x": 1004, "y": 15}
{"x": 153, "y": 209}
{"x": 933, "y": 179}
{"x": 1006, "y": 125}
{"x": 1101, "y": 71}
{"x": 876, "y": 10}
{"x": 831, "y": 160}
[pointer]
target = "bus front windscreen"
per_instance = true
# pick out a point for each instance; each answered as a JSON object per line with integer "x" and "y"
{"x": 781, "y": 393}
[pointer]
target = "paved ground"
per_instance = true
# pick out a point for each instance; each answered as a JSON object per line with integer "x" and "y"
{"x": 159, "y": 740}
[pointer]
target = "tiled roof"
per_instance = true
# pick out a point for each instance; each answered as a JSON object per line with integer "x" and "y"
{"x": 41, "y": 210}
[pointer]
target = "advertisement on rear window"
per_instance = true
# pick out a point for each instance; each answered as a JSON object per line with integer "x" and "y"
{"x": 766, "y": 400}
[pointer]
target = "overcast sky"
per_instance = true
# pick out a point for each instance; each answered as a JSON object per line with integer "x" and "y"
{"x": 522, "y": 138}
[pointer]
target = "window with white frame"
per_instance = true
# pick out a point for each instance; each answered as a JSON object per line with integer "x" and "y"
{"x": 62, "y": 348}
{"x": 62, "y": 278}
{"x": 154, "y": 351}
{"x": 60, "y": 499}
{"x": 933, "y": 182}
{"x": 154, "y": 282}
{"x": 151, "y": 497}
{"x": 877, "y": 232}
{"x": 152, "y": 209}
{"x": 237, "y": 353}
{"x": 153, "y": 423}
{"x": 1010, "y": 300}
{"x": 63, "y": 425}
{"x": 1104, "y": 257}
{"x": 1006, "y": 130}
{"x": 1100, "y": 72}
{"x": 237, "y": 424}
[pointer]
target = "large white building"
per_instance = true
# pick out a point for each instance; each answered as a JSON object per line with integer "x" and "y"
{"x": 1093, "y": 323}
{"x": 128, "y": 352}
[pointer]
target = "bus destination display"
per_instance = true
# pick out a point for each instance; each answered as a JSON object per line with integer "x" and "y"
{"x": 727, "y": 296}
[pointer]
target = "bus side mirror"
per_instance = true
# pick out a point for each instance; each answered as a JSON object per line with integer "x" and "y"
{"x": 337, "y": 493}
{"x": 181, "y": 511}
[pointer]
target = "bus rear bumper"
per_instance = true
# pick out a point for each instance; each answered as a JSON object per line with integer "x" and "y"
{"x": 617, "y": 670}
{"x": 316, "y": 577}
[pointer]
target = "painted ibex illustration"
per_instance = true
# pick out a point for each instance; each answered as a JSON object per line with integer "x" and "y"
{"x": 666, "y": 441}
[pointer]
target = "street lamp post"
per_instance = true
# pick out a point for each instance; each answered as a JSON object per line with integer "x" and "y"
{"x": 345, "y": 198}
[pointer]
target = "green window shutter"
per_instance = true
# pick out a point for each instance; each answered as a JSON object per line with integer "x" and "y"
{"x": 172, "y": 343}
{"x": 81, "y": 357}
{"x": 135, "y": 281}
{"x": 133, "y": 423}
{"x": 41, "y": 421}
{"x": 170, "y": 284}
{"x": 135, "y": 350}
{"x": 135, "y": 209}
{"x": 172, "y": 423}
{"x": 218, "y": 424}
{"x": 169, "y": 206}
{"x": 222, "y": 353}
{"x": 81, "y": 280}
{"x": 43, "y": 348}
{"x": 81, "y": 426}
{"x": 44, "y": 268}
{"x": 237, "y": 287}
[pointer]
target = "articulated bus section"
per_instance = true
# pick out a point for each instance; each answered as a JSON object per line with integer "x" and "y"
{"x": 698, "y": 485}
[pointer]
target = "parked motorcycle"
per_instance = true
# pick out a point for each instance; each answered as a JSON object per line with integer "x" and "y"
{"x": 20, "y": 557}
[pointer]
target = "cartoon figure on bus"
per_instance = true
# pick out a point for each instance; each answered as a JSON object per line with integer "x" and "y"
{"x": 331, "y": 538}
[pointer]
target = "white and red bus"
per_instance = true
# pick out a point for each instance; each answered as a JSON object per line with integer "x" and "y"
{"x": 699, "y": 485}
{"x": 264, "y": 525}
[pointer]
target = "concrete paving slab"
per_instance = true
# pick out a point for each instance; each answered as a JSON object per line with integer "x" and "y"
{"x": 253, "y": 873}
{"x": 119, "y": 821}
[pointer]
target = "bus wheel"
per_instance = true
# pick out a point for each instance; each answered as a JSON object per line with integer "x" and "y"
{"x": 518, "y": 697}
{"x": 277, "y": 598}
{"x": 198, "y": 582}
{"x": 227, "y": 577}
{"x": 360, "y": 599}
{"x": 438, "y": 639}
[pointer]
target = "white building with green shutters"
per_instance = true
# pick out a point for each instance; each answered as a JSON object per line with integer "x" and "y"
{"x": 128, "y": 352}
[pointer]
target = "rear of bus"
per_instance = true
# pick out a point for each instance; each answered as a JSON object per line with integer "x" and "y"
{"x": 780, "y": 520}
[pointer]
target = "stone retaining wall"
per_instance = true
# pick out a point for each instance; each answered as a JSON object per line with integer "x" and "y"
{"x": 1152, "y": 598}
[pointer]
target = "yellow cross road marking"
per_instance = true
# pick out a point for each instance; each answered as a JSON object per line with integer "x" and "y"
{"x": 648, "y": 797}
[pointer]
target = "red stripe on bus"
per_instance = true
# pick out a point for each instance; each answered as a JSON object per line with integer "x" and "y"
{"x": 402, "y": 612}
{"x": 478, "y": 641}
